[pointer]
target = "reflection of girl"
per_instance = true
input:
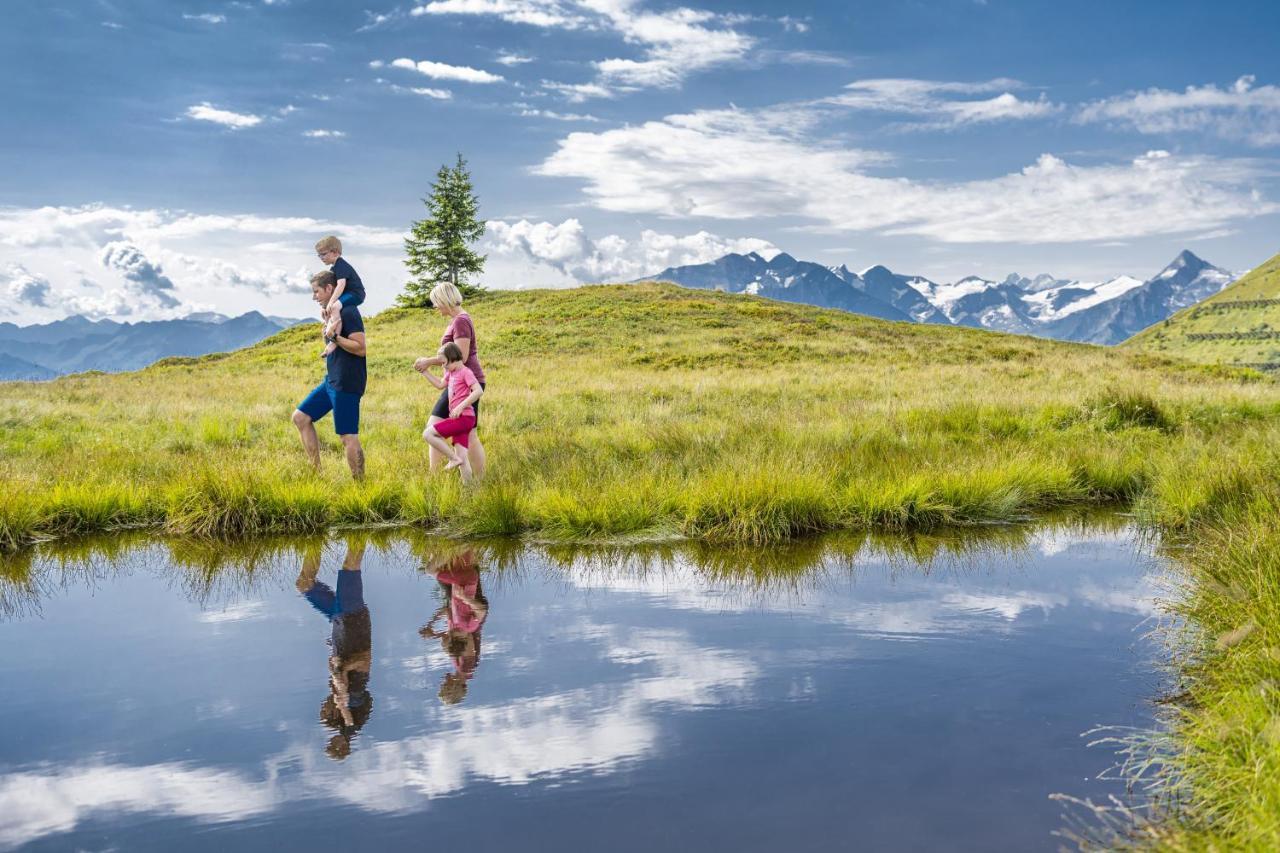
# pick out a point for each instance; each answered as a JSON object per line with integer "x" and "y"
{"x": 347, "y": 707}
{"x": 465, "y": 610}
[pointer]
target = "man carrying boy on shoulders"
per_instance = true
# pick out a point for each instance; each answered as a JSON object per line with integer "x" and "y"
{"x": 342, "y": 387}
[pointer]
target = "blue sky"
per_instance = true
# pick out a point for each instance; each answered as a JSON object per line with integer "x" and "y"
{"x": 163, "y": 157}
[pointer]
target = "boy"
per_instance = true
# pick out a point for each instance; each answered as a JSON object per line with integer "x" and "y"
{"x": 464, "y": 390}
{"x": 350, "y": 290}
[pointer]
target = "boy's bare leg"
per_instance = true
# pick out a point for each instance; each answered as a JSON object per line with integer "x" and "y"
{"x": 355, "y": 455}
{"x": 310, "y": 441}
{"x": 332, "y": 327}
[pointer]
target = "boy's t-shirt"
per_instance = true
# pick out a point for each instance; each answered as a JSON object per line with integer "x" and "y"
{"x": 461, "y": 381}
{"x": 342, "y": 269}
{"x": 462, "y": 327}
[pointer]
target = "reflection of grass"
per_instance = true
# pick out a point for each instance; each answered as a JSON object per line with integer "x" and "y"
{"x": 629, "y": 413}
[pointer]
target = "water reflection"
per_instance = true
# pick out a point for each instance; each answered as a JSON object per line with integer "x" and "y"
{"x": 871, "y": 685}
{"x": 464, "y": 610}
{"x": 347, "y": 707}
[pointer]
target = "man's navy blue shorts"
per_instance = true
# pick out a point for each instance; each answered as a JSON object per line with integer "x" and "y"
{"x": 345, "y": 407}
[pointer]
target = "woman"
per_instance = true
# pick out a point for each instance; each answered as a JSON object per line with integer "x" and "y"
{"x": 448, "y": 301}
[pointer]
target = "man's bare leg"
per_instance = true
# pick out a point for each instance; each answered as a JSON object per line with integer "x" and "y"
{"x": 355, "y": 455}
{"x": 310, "y": 441}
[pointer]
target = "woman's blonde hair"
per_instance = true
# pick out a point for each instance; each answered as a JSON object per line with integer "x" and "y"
{"x": 446, "y": 294}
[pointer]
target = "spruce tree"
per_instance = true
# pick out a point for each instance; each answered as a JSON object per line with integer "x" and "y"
{"x": 437, "y": 248}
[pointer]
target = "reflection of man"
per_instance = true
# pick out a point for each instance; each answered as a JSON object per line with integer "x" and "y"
{"x": 465, "y": 610}
{"x": 346, "y": 709}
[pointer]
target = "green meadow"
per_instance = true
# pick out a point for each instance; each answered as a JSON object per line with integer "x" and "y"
{"x": 653, "y": 414}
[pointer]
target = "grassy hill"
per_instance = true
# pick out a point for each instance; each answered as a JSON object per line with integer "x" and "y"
{"x": 649, "y": 411}
{"x": 623, "y": 411}
{"x": 1240, "y": 325}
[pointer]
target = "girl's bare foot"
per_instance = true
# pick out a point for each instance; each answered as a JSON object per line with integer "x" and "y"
{"x": 456, "y": 462}
{"x": 465, "y": 470}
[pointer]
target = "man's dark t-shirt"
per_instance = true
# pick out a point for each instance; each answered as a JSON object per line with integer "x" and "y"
{"x": 347, "y": 372}
{"x": 342, "y": 269}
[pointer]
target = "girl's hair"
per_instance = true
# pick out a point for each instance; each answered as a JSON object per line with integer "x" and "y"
{"x": 447, "y": 295}
{"x": 451, "y": 352}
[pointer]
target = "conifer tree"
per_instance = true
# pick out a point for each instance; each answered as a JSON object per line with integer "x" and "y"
{"x": 438, "y": 247}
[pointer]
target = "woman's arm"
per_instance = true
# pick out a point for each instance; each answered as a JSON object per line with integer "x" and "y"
{"x": 464, "y": 344}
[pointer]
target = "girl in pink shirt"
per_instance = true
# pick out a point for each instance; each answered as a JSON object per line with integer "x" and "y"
{"x": 464, "y": 390}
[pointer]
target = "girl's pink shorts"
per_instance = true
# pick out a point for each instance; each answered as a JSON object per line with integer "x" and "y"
{"x": 459, "y": 429}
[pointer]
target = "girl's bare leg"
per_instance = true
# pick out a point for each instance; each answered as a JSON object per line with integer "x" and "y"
{"x": 439, "y": 444}
{"x": 475, "y": 455}
{"x": 435, "y": 456}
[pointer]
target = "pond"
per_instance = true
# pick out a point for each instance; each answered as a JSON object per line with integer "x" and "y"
{"x": 896, "y": 694}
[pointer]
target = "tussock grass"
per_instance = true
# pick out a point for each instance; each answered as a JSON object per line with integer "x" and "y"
{"x": 636, "y": 413}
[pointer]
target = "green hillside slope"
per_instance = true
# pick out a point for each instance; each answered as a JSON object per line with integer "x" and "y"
{"x": 645, "y": 410}
{"x": 1240, "y": 325}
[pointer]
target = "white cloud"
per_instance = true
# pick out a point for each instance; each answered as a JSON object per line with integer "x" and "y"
{"x": 736, "y": 164}
{"x": 529, "y": 112}
{"x": 674, "y": 43}
{"x": 578, "y": 92}
{"x": 25, "y": 287}
{"x": 509, "y": 59}
{"x": 165, "y": 263}
{"x": 207, "y": 112}
{"x": 206, "y": 18}
{"x": 323, "y": 134}
{"x": 936, "y": 100}
{"x": 112, "y": 25}
{"x": 441, "y": 71}
{"x": 567, "y": 248}
{"x": 145, "y": 278}
{"x": 1243, "y": 112}
{"x": 424, "y": 91}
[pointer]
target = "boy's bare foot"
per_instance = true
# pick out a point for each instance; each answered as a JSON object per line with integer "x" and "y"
{"x": 328, "y": 349}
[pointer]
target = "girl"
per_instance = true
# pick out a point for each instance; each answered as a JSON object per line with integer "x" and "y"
{"x": 464, "y": 390}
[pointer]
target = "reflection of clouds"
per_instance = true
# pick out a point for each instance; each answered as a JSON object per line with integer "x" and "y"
{"x": 1139, "y": 597}
{"x": 239, "y": 611}
{"x": 594, "y": 729}
{"x": 36, "y": 804}
{"x": 1008, "y": 607}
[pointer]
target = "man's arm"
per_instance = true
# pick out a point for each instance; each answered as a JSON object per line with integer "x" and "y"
{"x": 353, "y": 344}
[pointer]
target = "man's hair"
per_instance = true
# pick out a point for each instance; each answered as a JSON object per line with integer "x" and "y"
{"x": 451, "y": 351}
{"x": 324, "y": 279}
{"x": 446, "y": 294}
{"x": 330, "y": 243}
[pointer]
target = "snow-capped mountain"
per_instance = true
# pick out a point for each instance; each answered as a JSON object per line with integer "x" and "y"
{"x": 1104, "y": 312}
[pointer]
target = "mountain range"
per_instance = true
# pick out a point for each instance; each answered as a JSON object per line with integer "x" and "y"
{"x": 77, "y": 343}
{"x": 1103, "y": 312}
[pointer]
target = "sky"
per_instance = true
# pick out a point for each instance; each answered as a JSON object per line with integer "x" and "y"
{"x": 168, "y": 156}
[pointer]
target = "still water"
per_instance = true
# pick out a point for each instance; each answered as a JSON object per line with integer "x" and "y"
{"x": 910, "y": 694}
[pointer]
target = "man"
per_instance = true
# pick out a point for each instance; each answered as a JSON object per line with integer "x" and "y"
{"x": 341, "y": 390}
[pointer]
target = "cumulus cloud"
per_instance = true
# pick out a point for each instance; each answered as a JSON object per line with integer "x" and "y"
{"x": 1244, "y": 112}
{"x": 147, "y": 278}
{"x": 236, "y": 121}
{"x": 323, "y": 134}
{"x": 167, "y": 263}
{"x": 567, "y": 248}
{"x": 25, "y": 287}
{"x": 442, "y": 71}
{"x": 206, "y": 18}
{"x": 736, "y": 164}
{"x": 674, "y": 43}
{"x": 939, "y": 101}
